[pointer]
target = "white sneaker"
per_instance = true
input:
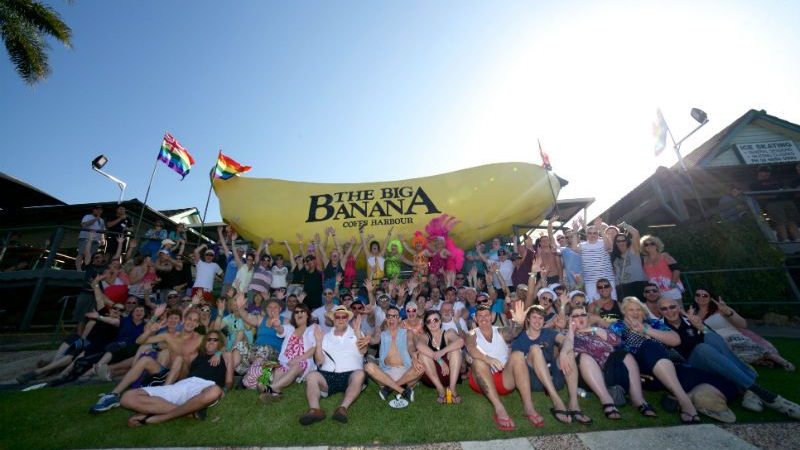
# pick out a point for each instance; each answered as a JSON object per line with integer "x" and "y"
{"x": 752, "y": 402}
{"x": 399, "y": 402}
{"x": 787, "y": 407}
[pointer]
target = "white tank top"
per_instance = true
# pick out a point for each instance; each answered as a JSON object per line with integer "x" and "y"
{"x": 497, "y": 349}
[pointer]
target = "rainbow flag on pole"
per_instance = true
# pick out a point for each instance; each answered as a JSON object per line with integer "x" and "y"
{"x": 227, "y": 167}
{"x": 174, "y": 155}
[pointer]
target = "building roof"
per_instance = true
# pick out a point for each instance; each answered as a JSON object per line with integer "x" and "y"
{"x": 19, "y": 194}
{"x": 720, "y": 141}
{"x": 641, "y": 198}
{"x": 176, "y": 212}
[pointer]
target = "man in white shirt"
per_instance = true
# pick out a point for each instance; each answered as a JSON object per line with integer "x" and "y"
{"x": 92, "y": 227}
{"x": 207, "y": 270}
{"x": 321, "y": 313}
{"x": 339, "y": 356}
{"x": 449, "y": 321}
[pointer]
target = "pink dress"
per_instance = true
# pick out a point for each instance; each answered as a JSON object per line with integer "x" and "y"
{"x": 294, "y": 348}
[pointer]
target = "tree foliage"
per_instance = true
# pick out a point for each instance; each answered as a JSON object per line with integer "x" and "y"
{"x": 709, "y": 245}
{"x": 24, "y": 28}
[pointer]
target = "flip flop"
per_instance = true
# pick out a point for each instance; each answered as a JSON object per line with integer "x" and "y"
{"x": 562, "y": 413}
{"x": 141, "y": 421}
{"x": 456, "y": 399}
{"x": 504, "y": 424}
{"x": 536, "y": 420}
{"x": 578, "y": 413}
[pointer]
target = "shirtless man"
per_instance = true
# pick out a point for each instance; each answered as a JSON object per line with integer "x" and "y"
{"x": 182, "y": 348}
{"x": 202, "y": 388}
{"x": 399, "y": 362}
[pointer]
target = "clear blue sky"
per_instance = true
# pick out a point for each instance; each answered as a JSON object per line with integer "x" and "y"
{"x": 364, "y": 91}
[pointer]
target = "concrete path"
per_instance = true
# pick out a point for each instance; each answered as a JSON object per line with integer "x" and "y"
{"x": 687, "y": 437}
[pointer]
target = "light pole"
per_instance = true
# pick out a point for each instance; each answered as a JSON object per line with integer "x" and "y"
{"x": 97, "y": 165}
{"x": 702, "y": 118}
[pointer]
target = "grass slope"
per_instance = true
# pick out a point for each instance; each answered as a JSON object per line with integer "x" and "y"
{"x": 58, "y": 418}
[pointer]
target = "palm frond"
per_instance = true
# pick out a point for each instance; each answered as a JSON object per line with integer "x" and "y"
{"x": 26, "y": 49}
{"x": 45, "y": 19}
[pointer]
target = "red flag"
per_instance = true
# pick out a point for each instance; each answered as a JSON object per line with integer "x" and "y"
{"x": 545, "y": 157}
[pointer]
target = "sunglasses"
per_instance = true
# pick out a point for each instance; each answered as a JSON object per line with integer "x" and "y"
{"x": 484, "y": 308}
{"x": 575, "y": 316}
{"x": 411, "y": 310}
{"x": 701, "y": 295}
{"x": 668, "y": 308}
{"x": 118, "y": 309}
{"x": 459, "y": 278}
{"x": 340, "y": 317}
{"x": 432, "y": 320}
{"x": 205, "y": 310}
{"x": 131, "y": 303}
{"x": 213, "y": 339}
{"x": 651, "y": 291}
{"x": 603, "y": 286}
{"x": 392, "y": 316}
{"x": 358, "y": 307}
{"x": 648, "y": 244}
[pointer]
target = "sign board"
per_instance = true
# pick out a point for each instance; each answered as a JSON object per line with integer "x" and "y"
{"x": 775, "y": 152}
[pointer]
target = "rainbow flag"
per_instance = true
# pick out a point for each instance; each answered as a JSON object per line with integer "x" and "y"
{"x": 175, "y": 156}
{"x": 227, "y": 167}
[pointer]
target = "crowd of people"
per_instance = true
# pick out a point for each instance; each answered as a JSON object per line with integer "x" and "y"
{"x": 591, "y": 307}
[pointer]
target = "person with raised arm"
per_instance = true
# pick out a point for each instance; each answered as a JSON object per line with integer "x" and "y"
{"x": 339, "y": 355}
{"x": 496, "y": 371}
{"x": 595, "y": 260}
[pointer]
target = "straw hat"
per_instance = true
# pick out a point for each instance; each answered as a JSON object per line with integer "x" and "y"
{"x": 339, "y": 309}
{"x": 712, "y": 403}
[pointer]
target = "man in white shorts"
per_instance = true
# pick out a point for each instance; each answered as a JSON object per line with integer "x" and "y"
{"x": 399, "y": 363}
{"x": 208, "y": 373}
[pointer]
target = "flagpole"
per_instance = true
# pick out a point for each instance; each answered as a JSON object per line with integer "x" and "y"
{"x": 549, "y": 182}
{"x": 146, "y": 195}
{"x": 208, "y": 199}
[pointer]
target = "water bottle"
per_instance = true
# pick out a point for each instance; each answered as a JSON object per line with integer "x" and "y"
{"x": 583, "y": 393}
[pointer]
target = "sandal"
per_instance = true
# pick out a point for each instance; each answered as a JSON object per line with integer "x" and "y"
{"x": 536, "y": 420}
{"x": 504, "y": 424}
{"x": 577, "y": 415}
{"x": 134, "y": 422}
{"x": 787, "y": 366}
{"x": 646, "y": 410}
{"x": 563, "y": 413}
{"x": 610, "y": 410}
{"x": 692, "y": 419}
{"x": 440, "y": 400}
{"x": 456, "y": 399}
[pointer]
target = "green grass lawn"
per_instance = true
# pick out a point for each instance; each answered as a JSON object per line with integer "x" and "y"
{"x": 58, "y": 418}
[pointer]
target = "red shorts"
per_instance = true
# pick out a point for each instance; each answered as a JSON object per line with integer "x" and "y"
{"x": 498, "y": 384}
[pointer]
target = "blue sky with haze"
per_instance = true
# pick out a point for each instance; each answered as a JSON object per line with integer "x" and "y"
{"x": 366, "y": 91}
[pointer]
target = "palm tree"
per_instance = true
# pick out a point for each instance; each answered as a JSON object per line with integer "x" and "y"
{"x": 24, "y": 25}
